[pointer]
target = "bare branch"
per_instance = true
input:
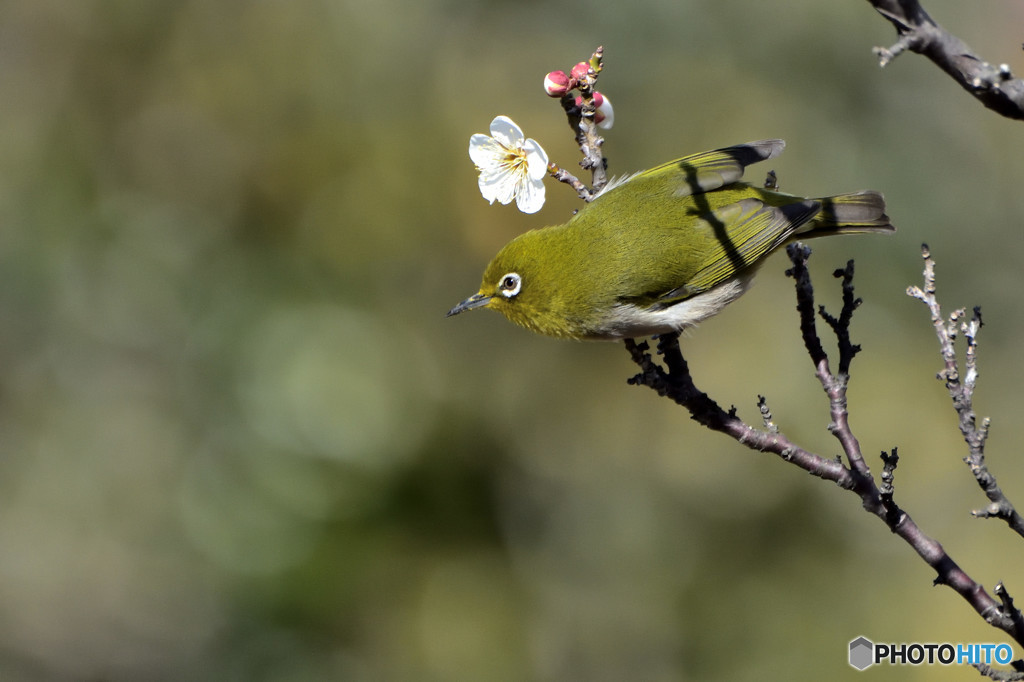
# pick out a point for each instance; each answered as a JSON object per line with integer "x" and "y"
{"x": 1008, "y": 609}
{"x": 993, "y": 86}
{"x": 999, "y": 675}
{"x": 834, "y": 385}
{"x": 799, "y": 253}
{"x": 562, "y": 175}
{"x": 961, "y": 390}
{"x": 841, "y": 325}
{"x": 673, "y": 380}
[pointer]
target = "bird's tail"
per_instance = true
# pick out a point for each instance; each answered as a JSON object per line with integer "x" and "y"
{"x": 849, "y": 214}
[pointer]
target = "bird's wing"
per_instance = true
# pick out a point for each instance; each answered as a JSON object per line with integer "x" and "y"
{"x": 736, "y": 237}
{"x": 706, "y": 171}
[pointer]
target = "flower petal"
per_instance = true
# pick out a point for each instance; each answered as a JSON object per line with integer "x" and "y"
{"x": 505, "y": 131}
{"x": 608, "y": 112}
{"x": 536, "y": 159}
{"x": 497, "y": 186}
{"x": 484, "y": 151}
{"x": 530, "y": 196}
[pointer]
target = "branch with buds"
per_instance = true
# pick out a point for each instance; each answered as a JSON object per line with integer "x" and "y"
{"x": 961, "y": 390}
{"x": 586, "y": 112}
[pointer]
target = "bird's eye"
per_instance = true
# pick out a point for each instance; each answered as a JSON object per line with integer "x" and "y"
{"x": 511, "y": 284}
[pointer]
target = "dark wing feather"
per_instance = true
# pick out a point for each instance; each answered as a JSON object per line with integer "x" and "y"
{"x": 745, "y": 232}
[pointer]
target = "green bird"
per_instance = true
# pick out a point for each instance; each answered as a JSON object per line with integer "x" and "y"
{"x": 661, "y": 250}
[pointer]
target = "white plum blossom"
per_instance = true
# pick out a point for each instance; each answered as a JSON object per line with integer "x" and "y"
{"x": 511, "y": 166}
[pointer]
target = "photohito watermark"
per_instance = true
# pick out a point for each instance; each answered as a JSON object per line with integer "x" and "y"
{"x": 864, "y": 653}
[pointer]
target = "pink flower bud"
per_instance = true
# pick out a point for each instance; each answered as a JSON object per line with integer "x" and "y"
{"x": 579, "y": 72}
{"x": 556, "y": 84}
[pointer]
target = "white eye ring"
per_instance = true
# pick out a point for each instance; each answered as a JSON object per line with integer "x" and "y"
{"x": 510, "y": 284}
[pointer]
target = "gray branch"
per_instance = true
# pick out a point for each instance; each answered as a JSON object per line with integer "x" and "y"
{"x": 993, "y": 86}
{"x": 961, "y": 389}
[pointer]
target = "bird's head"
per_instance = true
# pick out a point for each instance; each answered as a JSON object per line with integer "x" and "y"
{"x": 523, "y": 284}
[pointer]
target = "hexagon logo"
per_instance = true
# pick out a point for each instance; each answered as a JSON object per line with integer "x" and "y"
{"x": 861, "y": 653}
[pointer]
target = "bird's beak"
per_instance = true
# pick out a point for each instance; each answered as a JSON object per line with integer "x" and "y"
{"x": 474, "y": 301}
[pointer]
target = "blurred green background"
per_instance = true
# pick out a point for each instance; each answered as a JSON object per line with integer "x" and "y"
{"x": 241, "y": 441}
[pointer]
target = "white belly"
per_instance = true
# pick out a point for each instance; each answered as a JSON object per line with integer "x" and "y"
{"x": 630, "y": 321}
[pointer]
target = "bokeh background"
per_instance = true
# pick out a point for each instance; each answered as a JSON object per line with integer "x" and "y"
{"x": 240, "y": 441}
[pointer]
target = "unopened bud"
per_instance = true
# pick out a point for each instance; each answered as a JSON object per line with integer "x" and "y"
{"x": 556, "y": 84}
{"x": 579, "y": 72}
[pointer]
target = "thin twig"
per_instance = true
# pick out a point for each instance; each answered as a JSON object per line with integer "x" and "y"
{"x": 799, "y": 253}
{"x": 961, "y": 390}
{"x": 834, "y": 385}
{"x": 841, "y": 325}
{"x": 766, "y": 415}
{"x": 562, "y": 175}
{"x": 1008, "y": 609}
